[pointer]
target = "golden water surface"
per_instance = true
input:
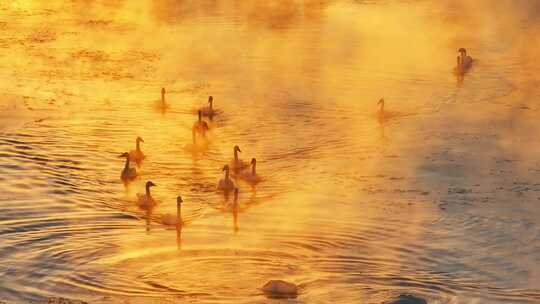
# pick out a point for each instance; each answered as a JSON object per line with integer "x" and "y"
{"x": 440, "y": 201}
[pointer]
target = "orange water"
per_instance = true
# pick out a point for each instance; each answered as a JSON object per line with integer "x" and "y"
{"x": 441, "y": 200}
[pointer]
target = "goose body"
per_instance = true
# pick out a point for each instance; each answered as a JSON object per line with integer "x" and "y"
{"x": 162, "y": 104}
{"x": 463, "y": 63}
{"x": 146, "y": 201}
{"x": 209, "y": 110}
{"x": 382, "y": 115}
{"x": 226, "y": 184}
{"x": 236, "y": 163}
{"x": 251, "y": 175}
{"x": 128, "y": 174}
{"x": 171, "y": 219}
{"x": 137, "y": 155}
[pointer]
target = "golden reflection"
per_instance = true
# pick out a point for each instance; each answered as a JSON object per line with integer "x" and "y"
{"x": 198, "y": 146}
{"x": 233, "y": 208}
{"x": 295, "y": 84}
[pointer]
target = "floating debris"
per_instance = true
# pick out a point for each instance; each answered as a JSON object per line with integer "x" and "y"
{"x": 408, "y": 299}
{"x": 280, "y": 289}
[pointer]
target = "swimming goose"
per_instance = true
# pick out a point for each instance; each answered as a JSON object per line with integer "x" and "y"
{"x": 236, "y": 163}
{"x": 226, "y": 184}
{"x": 162, "y": 105}
{"x": 464, "y": 62}
{"x": 209, "y": 111}
{"x": 172, "y": 220}
{"x": 381, "y": 115}
{"x": 200, "y": 126}
{"x": 381, "y": 103}
{"x": 146, "y": 201}
{"x": 137, "y": 155}
{"x": 251, "y": 175}
{"x": 128, "y": 174}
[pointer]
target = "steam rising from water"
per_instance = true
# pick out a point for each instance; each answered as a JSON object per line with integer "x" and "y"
{"x": 440, "y": 201}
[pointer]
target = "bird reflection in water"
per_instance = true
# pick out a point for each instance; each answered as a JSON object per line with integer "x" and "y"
{"x": 179, "y": 222}
{"x": 179, "y": 236}
{"x": 148, "y": 219}
{"x": 198, "y": 145}
{"x": 234, "y": 209}
{"x": 459, "y": 80}
{"x": 382, "y": 136}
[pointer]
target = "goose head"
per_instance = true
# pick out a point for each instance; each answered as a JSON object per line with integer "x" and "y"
{"x": 125, "y": 154}
{"x": 138, "y": 140}
{"x": 253, "y": 161}
{"x": 150, "y": 184}
{"x": 462, "y": 51}
{"x": 236, "y": 149}
{"x": 162, "y": 91}
{"x": 210, "y": 101}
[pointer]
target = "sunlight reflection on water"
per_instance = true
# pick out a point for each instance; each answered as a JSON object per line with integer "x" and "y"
{"x": 439, "y": 200}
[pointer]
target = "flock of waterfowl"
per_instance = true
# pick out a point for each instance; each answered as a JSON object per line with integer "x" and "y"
{"x": 237, "y": 169}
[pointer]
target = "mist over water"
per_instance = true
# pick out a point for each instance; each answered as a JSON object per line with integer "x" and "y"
{"x": 440, "y": 200}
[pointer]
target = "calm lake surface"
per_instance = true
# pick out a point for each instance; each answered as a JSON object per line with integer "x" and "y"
{"x": 441, "y": 201}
